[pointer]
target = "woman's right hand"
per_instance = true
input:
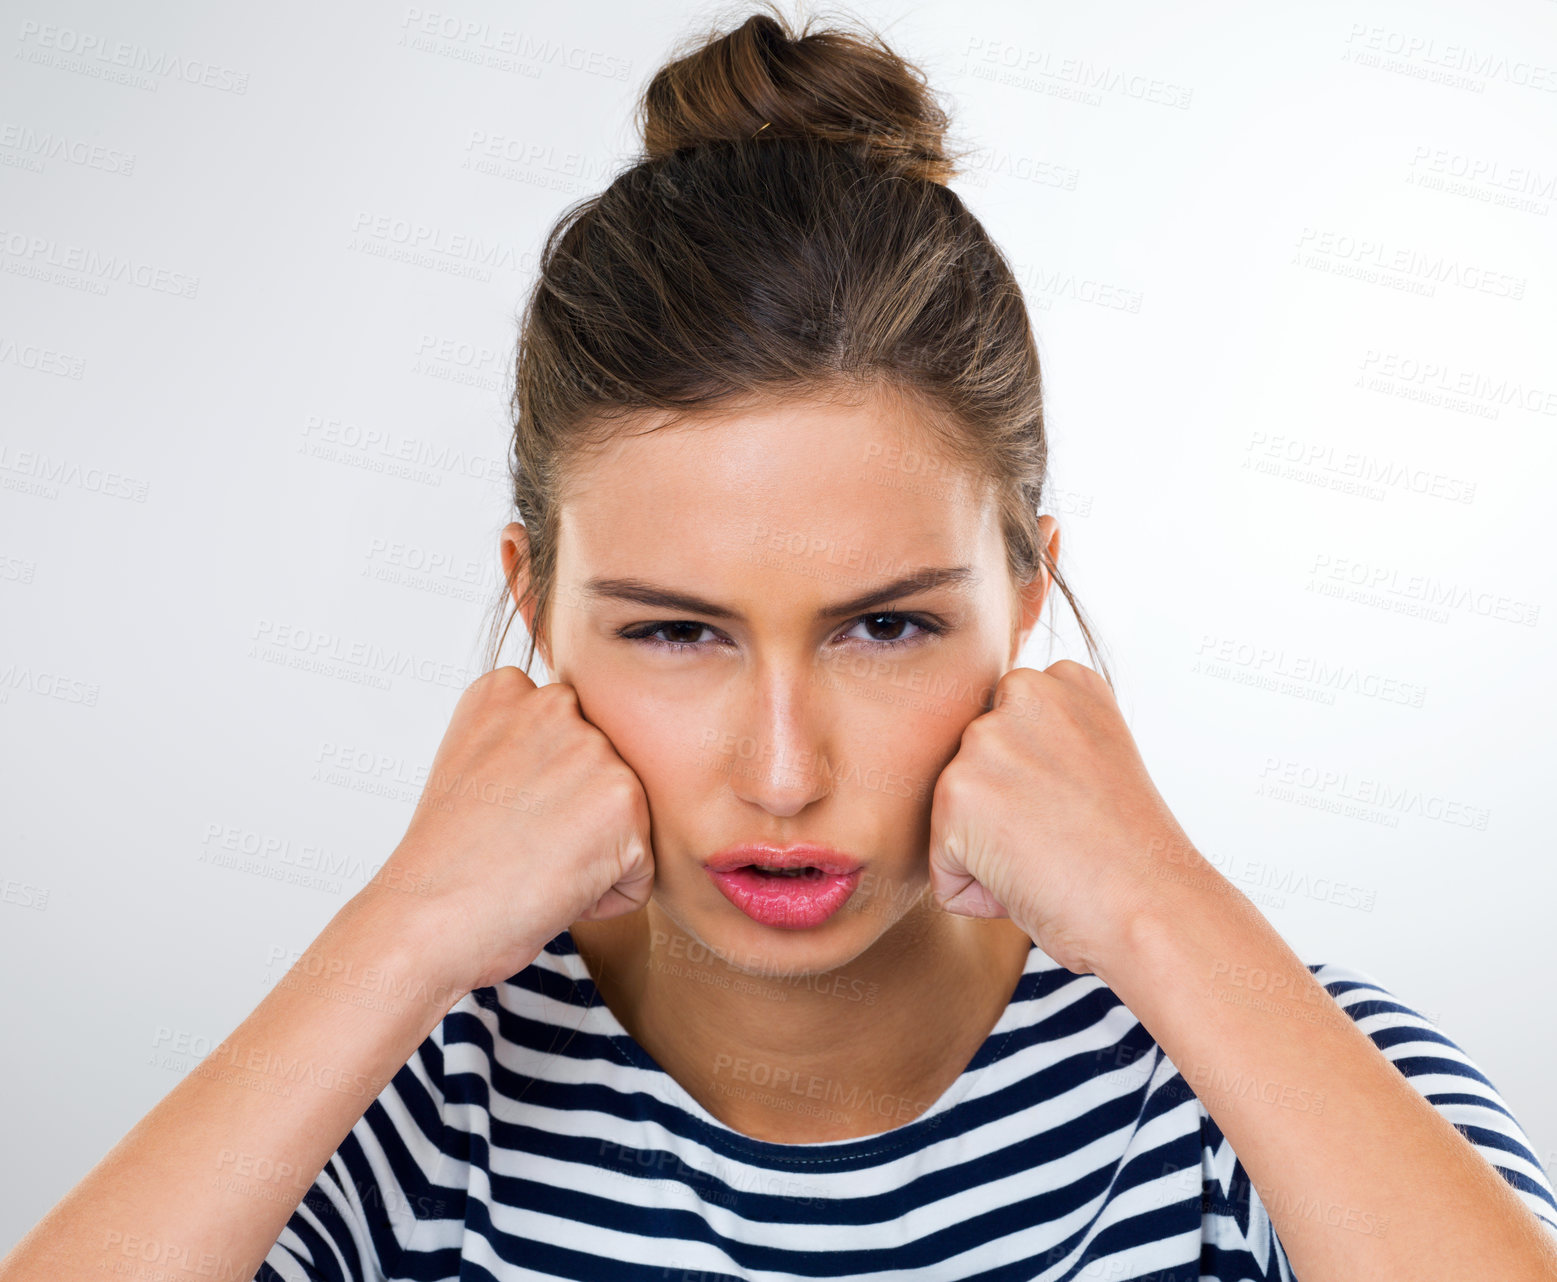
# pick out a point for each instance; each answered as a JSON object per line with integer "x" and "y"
{"x": 530, "y": 820}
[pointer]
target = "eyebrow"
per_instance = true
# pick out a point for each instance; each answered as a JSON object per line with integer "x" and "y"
{"x": 958, "y": 577}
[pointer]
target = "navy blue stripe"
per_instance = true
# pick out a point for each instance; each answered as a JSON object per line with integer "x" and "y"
{"x": 1395, "y": 1034}
{"x": 566, "y": 1262}
{"x": 1417, "y": 1065}
{"x": 1499, "y": 1143}
{"x": 1237, "y": 1263}
{"x": 1524, "y": 1183}
{"x": 1439, "y": 1098}
{"x": 1148, "y": 1226}
{"x": 316, "y": 1246}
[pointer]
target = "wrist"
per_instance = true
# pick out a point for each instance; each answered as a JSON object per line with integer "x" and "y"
{"x": 1181, "y": 893}
{"x": 403, "y": 940}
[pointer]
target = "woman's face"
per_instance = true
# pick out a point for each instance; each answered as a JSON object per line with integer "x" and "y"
{"x": 765, "y": 710}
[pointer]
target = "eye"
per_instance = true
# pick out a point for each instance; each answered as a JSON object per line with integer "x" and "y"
{"x": 644, "y": 633}
{"x": 895, "y": 622}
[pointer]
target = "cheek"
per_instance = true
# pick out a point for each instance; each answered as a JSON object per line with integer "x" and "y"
{"x": 678, "y": 750}
{"x": 894, "y": 752}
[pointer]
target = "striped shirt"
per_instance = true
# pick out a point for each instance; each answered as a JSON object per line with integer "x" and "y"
{"x": 530, "y": 1137}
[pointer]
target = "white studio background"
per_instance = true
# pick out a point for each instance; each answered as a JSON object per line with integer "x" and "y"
{"x": 261, "y": 274}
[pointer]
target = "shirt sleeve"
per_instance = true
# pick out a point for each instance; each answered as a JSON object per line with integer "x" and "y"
{"x": 1238, "y": 1241}
{"x": 357, "y": 1221}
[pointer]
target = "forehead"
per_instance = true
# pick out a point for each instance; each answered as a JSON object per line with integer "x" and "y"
{"x": 851, "y": 492}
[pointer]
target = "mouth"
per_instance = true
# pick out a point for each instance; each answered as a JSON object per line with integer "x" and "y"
{"x": 810, "y": 870}
{"x": 793, "y": 888}
{"x": 784, "y": 861}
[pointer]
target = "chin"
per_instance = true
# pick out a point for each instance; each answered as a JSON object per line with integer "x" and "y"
{"x": 721, "y": 933}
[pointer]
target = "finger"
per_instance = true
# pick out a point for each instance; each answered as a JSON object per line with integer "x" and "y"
{"x": 955, "y": 889}
{"x": 1079, "y": 676}
{"x": 617, "y": 902}
{"x": 973, "y": 900}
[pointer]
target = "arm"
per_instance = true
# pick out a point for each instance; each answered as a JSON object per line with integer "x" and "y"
{"x": 362, "y": 1218}
{"x": 530, "y": 819}
{"x": 1047, "y": 814}
{"x": 1359, "y": 1175}
{"x": 273, "y": 1101}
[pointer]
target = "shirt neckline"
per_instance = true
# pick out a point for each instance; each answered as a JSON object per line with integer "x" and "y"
{"x": 920, "y": 1129}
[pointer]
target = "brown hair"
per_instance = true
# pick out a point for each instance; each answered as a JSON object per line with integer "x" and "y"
{"x": 786, "y": 233}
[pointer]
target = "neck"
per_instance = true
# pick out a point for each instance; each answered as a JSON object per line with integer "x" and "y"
{"x": 853, "y": 1051}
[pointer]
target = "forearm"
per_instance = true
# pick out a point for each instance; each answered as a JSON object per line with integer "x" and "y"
{"x": 1360, "y": 1175}
{"x": 206, "y": 1181}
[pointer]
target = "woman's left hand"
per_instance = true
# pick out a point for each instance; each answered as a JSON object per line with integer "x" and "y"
{"x": 1046, "y": 815}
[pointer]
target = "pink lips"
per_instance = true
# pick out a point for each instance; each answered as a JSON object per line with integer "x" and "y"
{"x": 795, "y": 902}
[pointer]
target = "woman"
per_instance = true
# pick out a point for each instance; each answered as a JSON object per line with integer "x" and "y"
{"x": 915, "y": 973}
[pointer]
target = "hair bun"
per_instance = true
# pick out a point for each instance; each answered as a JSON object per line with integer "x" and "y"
{"x": 763, "y": 80}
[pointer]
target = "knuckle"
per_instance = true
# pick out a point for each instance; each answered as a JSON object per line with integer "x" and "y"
{"x": 501, "y": 687}
{"x": 950, "y": 785}
{"x": 989, "y": 726}
{"x": 557, "y": 693}
{"x": 554, "y": 702}
{"x": 1020, "y": 688}
{"x": 625, "y": 787}
{"x": 976, "y": 731}
{"x": 1071, "y": 670}
{"x": 505, "y": 678}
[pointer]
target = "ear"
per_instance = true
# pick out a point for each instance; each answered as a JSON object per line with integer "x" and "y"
{"x": 1029, "y": 599}
{"x": 514, "y": 547}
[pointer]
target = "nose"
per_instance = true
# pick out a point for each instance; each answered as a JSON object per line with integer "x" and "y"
{"x": 783, "y": 764}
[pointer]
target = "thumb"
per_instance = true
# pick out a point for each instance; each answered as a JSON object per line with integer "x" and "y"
{"x": 956, "y": 889}
{"x": 974, "y": 900}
